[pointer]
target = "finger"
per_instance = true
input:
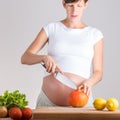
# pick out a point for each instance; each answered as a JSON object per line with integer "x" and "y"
{"x": 59, "y": 70}
{"x": 53, "y": 68}
{"x": 81, "y": 87}
{"x": 84, "y": 88}
{"x": 87, "y": 90}
{"x": 49, "y": 68}
{"x": 47, "y": 65}
{"x": 88, "y": 93}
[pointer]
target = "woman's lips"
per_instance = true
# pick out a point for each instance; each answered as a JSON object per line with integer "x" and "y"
{"x": 74, "y": 16}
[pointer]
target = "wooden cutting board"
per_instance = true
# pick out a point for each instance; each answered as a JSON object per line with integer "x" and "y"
{"x": 70, "y": 113}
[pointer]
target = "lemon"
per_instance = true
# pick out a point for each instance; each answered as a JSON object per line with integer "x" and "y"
{"x": 99, "y": 103}
{"x": 112, "y": 104}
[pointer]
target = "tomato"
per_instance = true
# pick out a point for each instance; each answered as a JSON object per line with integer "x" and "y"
{"x": 77, "y": 98}
{"x": 27, "y": 113}
{"x": 15, "y": 113}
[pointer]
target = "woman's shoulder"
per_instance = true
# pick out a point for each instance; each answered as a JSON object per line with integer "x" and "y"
{"x": 50, "y": 27}
{"x": 95, "y": 30}
{"x": 52, "y": 23}
{"x": 96, "y": 33}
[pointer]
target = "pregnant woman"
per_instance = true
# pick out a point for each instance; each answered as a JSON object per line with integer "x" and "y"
{"x": 75, "y": 49}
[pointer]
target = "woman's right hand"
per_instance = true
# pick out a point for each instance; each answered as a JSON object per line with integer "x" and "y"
{"x": 51, "y": 65}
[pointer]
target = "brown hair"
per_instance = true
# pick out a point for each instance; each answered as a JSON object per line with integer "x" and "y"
{"x": 71, "y": 1}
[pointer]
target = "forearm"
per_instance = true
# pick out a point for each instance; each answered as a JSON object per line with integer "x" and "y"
{"x": 95, "y": 78}
{"x": 30, "y": 59}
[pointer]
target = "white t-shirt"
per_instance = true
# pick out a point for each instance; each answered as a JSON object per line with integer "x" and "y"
{"x": 72, "y": 49}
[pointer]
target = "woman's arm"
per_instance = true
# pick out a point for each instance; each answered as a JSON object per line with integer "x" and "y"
{"x": 97, "y": 64}
{"x": 97, "y": 68}
{"x": 31, "y": 57}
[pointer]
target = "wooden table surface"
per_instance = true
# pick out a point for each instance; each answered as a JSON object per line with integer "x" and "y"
{"x": 70, "y": 113}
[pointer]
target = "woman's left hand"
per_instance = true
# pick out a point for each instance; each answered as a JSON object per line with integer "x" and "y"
{"x": 85, "y": 87}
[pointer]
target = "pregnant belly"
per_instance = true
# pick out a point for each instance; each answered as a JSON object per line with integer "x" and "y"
{"x": 56, "y": 91}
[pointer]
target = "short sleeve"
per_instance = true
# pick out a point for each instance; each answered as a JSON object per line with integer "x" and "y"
{"x": 48, "y": 29}
{"x": 97, "y": 35}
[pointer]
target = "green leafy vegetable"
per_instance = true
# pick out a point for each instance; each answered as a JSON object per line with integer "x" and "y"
{"x": 13, "y": 99}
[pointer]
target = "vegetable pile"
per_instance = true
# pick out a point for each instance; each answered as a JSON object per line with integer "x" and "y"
{"x": 13, "y": 104}
{"x": 13, "y": 99}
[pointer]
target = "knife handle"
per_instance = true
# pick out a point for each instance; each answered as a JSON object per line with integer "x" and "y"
{"x": 43, "y": 64}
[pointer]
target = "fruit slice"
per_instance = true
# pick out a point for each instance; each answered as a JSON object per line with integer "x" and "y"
{"x": 99, "y": 103}
{"x": 112, "y": 104}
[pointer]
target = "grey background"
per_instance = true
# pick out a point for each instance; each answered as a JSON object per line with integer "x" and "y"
{"x": 20, "y": 22}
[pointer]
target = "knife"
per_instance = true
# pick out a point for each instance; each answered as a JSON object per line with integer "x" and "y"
{"x": 62, "y": 78}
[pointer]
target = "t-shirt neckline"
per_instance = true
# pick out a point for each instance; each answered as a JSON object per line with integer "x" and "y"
{"x": 75, "y": 29}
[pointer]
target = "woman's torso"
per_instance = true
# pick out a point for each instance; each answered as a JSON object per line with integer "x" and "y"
{"x": 73, "y": 51}
{"x": 56, "y": 91}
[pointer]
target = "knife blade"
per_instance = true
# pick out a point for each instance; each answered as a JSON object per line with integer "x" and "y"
{"x": 62, "y": 78}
